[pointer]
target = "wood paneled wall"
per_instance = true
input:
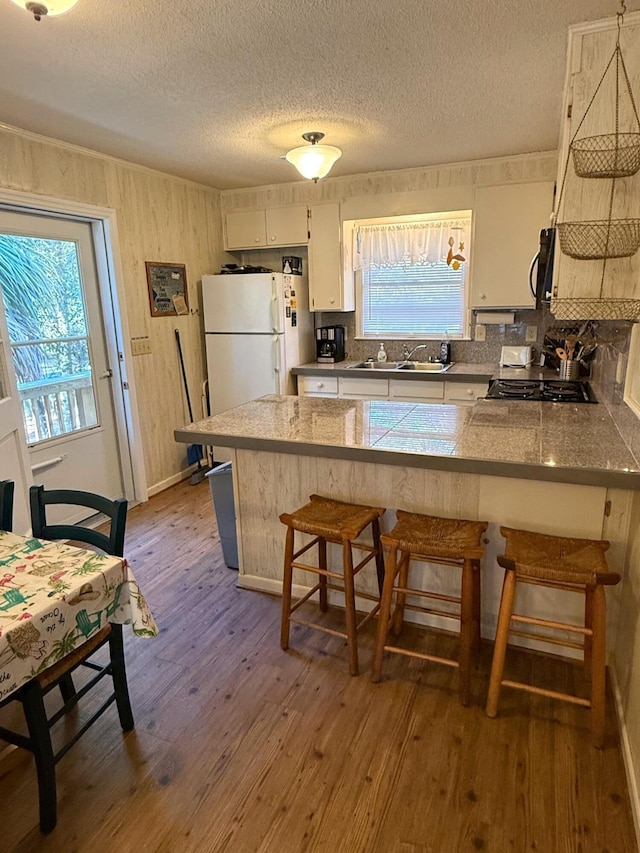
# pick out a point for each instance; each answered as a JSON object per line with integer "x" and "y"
{"x": 160, "y": 218}
{"x": 400, "y": 187}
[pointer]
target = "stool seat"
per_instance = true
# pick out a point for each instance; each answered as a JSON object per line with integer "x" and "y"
{"x": 335, "y": 521}
{"x": 445, "y": 541}
{"x": 340, "y": 523}
{"x": 559, "y": 562}
{"x": 557, "y": 559}
{"x": 450, "y": 538}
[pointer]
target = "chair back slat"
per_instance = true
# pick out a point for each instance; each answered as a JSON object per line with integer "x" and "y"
{"x": 6, "y": 504}
{"x": 115, "y": 510}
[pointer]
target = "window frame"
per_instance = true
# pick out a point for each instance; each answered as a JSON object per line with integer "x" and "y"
{"x": 357, "y": 273}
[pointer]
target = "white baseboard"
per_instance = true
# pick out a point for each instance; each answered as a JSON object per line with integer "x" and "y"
{"x": 170, "y": 481}
{"x": 627, "y": 755}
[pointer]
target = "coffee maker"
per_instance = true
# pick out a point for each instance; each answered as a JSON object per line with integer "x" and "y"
{"x": 329, "y": 344}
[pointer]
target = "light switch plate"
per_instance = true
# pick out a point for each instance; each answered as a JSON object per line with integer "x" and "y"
{"x": 481, "y": 332}
{"x": 532, "y": 334}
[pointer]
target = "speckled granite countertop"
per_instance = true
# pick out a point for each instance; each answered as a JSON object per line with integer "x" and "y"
{"x": 558, "y": 442}
{"x": 458, "y": 372}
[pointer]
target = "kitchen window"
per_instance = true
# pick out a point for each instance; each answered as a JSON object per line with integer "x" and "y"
{"x": 412, "y": 276}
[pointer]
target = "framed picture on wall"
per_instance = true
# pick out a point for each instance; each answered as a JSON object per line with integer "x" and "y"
{"x": 167, "y": 285}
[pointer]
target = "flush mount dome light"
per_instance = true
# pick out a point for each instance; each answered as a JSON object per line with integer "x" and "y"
{"x": 312, "y": 161}
{"x": 41, "y": 8}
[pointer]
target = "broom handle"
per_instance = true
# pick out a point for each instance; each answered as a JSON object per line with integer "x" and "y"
{"x": 184, "y": 374}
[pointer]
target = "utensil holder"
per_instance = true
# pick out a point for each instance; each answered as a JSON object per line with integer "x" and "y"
{"x": 569, "y": 369}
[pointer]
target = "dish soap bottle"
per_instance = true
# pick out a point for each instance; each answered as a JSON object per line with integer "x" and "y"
{"x": 382, "y": 353}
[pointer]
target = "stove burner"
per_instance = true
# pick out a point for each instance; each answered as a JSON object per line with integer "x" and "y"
{"x": 546, "y": 390}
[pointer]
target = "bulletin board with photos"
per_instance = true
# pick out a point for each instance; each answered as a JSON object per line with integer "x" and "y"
{"x": 167, "y": 284}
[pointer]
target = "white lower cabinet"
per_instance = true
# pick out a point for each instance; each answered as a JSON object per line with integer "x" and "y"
{"x": 465, "y": 393}
{"x": 401, "y": 390}
{"x": 364, "y": 389}
{"x": 416, "y": 391}
{"x": 318, "y": 386}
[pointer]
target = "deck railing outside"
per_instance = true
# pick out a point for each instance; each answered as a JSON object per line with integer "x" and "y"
{"x": 54, "y": 407}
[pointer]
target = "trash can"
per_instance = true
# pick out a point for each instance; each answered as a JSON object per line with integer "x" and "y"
{"x": 221, "y": 485}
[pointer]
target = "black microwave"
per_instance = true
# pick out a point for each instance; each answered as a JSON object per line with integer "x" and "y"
{"x": 541, "y": 269}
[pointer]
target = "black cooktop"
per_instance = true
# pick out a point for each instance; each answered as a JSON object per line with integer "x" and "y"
{"x": 549, "y": 390}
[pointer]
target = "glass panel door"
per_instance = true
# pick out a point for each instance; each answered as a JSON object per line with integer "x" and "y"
{"x": 48, "y": 333}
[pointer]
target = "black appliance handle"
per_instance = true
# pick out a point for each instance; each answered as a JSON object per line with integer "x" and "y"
{"x": 534, "y": 263}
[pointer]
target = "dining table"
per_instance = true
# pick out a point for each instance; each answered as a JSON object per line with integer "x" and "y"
{"x": 53, "y": 598}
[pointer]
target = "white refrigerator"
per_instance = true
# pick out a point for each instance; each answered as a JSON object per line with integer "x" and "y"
{"x": 257, "y": 327}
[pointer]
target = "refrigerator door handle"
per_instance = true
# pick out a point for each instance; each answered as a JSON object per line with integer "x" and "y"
{"x": 274, "y": 311}
{"x": 277, "y": 365}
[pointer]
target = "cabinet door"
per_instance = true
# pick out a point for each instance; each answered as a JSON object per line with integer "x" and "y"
{"x": 587, "y": 199}
{"x": 507, "y": 223}
{"x": 464, "y": 392}
{"x": 326, "y": 283}
{"x": 317, "y": 386}
{"x": 287, "y": 226}
{"x": 416, "y": 390}
{"x": 245, "y": 229}
{"x": 364, "y": 389}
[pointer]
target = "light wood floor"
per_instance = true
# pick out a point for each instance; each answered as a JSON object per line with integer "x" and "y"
{"x": 241, "y": 747}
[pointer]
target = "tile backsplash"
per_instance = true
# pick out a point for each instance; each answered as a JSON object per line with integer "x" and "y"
{"x": 469, "y": 352}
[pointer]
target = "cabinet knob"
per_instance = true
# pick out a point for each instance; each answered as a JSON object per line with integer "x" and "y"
{"x": 483, "y": 296}
{"x": 320, "y": 384}
{"x": 469, "y": 392}
{"x": 332, "y": 301}
{"x": 257, "y": 239}
{"x": 273, "y": 239}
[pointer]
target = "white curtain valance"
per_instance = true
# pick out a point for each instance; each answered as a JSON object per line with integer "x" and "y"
{"x": 409, "y": 242}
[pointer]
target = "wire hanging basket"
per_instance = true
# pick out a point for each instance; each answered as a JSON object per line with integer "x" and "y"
{"x": 585, "y": 308}
{"x": 600, "y": 238}
{"x": 609, "y": 155}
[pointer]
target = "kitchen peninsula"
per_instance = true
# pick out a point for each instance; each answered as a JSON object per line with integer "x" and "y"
{"x": 557, "y": 469}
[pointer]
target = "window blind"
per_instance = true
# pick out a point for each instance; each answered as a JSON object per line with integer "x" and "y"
{"x": 404, "y": 294}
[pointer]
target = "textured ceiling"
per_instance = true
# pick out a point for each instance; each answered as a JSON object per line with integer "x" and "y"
{"x": 218, "y": 90}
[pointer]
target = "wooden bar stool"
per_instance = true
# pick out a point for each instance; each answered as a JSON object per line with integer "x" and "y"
{"x": 447, "y": 542}
{"x": 577, "y": 565}
{"x": 341, "y": 523}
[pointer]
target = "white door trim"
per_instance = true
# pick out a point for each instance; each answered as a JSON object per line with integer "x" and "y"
{"x": 111, "y": 283}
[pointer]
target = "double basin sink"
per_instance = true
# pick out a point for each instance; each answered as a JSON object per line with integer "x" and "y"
{"x": 428, "y": 366}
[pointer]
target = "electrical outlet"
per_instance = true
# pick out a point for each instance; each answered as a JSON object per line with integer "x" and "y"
{"x": 532, "y": 334}
{"x": 481, "y": 332}
{"x": 140, "y": 345}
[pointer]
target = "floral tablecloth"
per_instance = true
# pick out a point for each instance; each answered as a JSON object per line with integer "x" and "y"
{"x": 53, "y": 597}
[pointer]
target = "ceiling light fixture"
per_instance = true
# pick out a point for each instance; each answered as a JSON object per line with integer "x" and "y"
{"x": 42, "y": 8}
{"x": 312, "y": 161}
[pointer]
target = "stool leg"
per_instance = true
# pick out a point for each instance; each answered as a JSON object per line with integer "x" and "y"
{"x": 322, "y": 564}
{"x": 477, "y": 606}
{"x": 588, "y": 623}
{"x": 467, "y": 631}
{"x": 391, "y": 569}
{"x": 598, "y": 667}
{"x": 287, "y": 580}
{"x": 403, "y": 580}
{"x": 350, "y": 606}
{"x": 375, "y": 529}
{"x": 500, "y": 647}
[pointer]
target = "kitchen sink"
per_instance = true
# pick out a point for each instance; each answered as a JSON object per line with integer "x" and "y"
{"x": 429, "y": 366}
{"x": 375, "y": 365}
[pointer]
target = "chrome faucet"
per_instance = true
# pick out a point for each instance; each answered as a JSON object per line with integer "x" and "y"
{"x": 406, "y": 353}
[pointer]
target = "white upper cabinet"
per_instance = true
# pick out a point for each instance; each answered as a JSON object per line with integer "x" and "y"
{"x": 580, "y": 289}
{"x": 327, "y": 288}
{"x": 276, "y": 226}
{"x": 507, "y": 224}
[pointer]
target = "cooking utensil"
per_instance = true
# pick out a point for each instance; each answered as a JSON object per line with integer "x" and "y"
{"x": 561, "y": 353}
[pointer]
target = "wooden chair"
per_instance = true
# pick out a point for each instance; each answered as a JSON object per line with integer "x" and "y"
{"x": 32, "y": 694}
{"x": 6, "y": 505}
{"x": 444, "y": 541}
{"x": 577, "y": 565}
{"x": 341, "y": 523}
